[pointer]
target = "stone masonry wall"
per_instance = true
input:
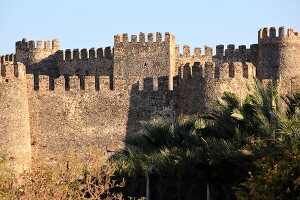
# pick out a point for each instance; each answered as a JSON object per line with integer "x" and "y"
{"x": 74, "y": 99}
{"x": 15, "y": 144}
{"x": 38, "y": 56}
{"x": 140, "y": 58}
{"x": 201, "y": 85}
{"x": 85, "y": 62}
{"x": 76, "y": 119}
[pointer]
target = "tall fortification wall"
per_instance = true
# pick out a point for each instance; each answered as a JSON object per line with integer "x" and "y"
{"x": 203, "y": 78}
{"x": 74, "y": 99}
{"x": 15, "y": 143}
{"x": 71, "y": 117}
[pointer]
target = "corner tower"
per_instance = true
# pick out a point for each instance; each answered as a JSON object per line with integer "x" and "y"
{"x": 279, "y": 57}
{"x": 15, "y": 142}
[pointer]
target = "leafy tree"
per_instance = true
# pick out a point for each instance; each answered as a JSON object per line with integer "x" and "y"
{"x": 277, "y": 174}
{"x": 207, "y": 156}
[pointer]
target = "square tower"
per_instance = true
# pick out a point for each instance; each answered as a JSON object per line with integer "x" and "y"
{"x": 141, "y": 58}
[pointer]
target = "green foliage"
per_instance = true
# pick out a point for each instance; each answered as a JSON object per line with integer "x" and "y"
{"x": 278, "y": 168}
{"x": 293, "y": 105}
{"x": 251, "y": 142}
{"x": 277, "y": 151}
{"x": 179, "y": 153}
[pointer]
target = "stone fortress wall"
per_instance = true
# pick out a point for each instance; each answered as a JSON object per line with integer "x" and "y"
{"x": 14, "y": 117}
{"x": 75, "y": 99}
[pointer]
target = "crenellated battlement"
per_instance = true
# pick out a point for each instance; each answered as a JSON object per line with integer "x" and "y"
{"x": 278, "y": 53}
{"x": 68, "y": 83}
{"x": 232, "y": 51}
{"x": 149, "y": 84}
{"x": 196, "y": 53}
{"x": 85, "y": 54}
{"x": 91, "y": 83}
{"x": 224, "y": 71}
{"x": 85, "y": 62}
{"x": 124, "y": 40}
{"x": 26, "y": 45}
{"x": 12, "y": 70}
{"x": 9, "y": 58}
{"x": 201, "y": 84}
{"x": 38, "y": 56}
{"x": 229, "y": 54}
{"x": 140, "y": 58}
{"x": 272, "y": 34}
{"x": 232, "y": 54}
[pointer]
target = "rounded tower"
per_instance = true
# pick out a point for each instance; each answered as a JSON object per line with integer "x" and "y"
{"x": 38, "y": 56}
{"x": 201, "y": 85}
{"x": 15, "y": 143}
{"x": 279, "y": 57}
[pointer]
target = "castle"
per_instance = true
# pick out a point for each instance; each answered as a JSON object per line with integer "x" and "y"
{"x": 53, "y": 100}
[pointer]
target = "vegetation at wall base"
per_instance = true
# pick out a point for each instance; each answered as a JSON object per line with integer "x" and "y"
{"x": 68, "y": 180}
{"x": 244, "y": 150}
{"x": 241, "y": 150}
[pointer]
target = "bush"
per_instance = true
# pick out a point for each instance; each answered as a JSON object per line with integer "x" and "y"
{"x": 277, "y": 174}
{"x": 69, "y": 180}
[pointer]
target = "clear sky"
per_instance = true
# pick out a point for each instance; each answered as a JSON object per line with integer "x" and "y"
{"x": 93, "y": 23}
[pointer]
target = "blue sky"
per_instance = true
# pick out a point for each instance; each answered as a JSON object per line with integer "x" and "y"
{"x": 93, "y": 23}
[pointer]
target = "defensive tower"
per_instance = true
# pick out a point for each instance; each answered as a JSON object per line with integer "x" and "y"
{"x": 201, "y": 85}
{"x": 14, "y": 116}
{"x": 136, "y": 59}
{"x": 279, "y": 57}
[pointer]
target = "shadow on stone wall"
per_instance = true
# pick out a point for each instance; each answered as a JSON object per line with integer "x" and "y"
{"x": 47, "y": 66}
{"x": 128, "y": 105}
{"x": 150, "y": 102}
{"x": 54, "y": 68}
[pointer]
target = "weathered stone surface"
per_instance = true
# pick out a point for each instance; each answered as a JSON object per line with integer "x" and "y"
{"x": 14, "y": 117}
{"x": 74, "y": 99}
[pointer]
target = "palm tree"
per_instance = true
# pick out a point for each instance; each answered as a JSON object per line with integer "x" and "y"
{"x": 257, "y": 115}
{"x": 206, "y": 146}
{"x": 293, "y": 105}
{"x": 176, "y": 151}
{"x": 156, "y": 147}
{"x": 277, "y": 167}
{"x": 222, "y": 163}
{"x": 159, "y": 135}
